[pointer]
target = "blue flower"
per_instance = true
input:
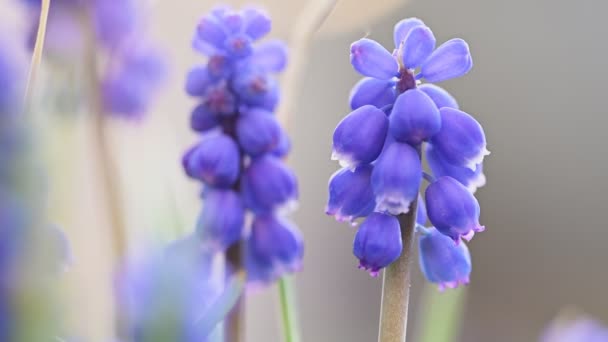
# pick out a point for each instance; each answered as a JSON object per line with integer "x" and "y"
{"x": 215, "y": 160}
{"x": 268, "y": 185}
{"x": 452, "y": 209}
{"x": 258, "y": 132}
{"x": 165, "y": 294}
{"x": 443, "y": 261}
{"x": 414, "y": 118}
{"x": 350, "y": 194}
{"x": 274, "y": 247}
{"x": 395, "y": 117}
{"x": 359, "y": 137}
{"x": 396, "y": 178}
{"x": 202, "y": 119}
{"x": 471, "y": 179}
{"x": 222, "y": 220}
{"x": 461, "y": 140}
{"x": 377, "y": 242}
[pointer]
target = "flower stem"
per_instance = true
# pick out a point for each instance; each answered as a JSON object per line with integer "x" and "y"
{"x": 396, "y": 285}
{"x": 37, "y": 53}
{"x": 108, "y": 173}
{"x": 234, "y": 324}
{"x": 287, "y": 297}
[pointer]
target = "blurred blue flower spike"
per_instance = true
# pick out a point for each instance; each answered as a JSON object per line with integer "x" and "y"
{"x": 242, "y": 144}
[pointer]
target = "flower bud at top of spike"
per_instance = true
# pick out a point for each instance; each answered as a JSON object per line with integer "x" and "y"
{"x": 396, "y": 178}
{"x": 471, "y": 179}
{"x": 377, "y": 242}
{"x": 439, "y": 95}
{"x": 268, "y": 185}
{"x": 258, "y": 132}
{"x": 443, "y": 261}
{"x": 275, "y": 247}
{"x": 372, "y": 91}
{"x": 359, "y": 137}
{"x": 202, "y": 120}
{"x": 257, "y": 23}
{"x": 270, "y": 56}
{"x": 238, "y": 46}
{"x": 403, "y": 27}
{"x": 211, "y": 32}
{"x": 414, "y": 117}
{"x": 461, "y": 140}
{"x": 371, "y": 59}
{"x": 452, "y": 209}
{"x": 222, "y": 219}
{"x": 215, "y": 160}
{"x": 417, "y": 46}
{"x": 452, "y": 59}
{"x": 350, "y": 194}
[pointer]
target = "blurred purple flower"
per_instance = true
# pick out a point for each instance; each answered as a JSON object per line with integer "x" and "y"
{"x": 579, "y": 330}
{"x": 237, "y": 93}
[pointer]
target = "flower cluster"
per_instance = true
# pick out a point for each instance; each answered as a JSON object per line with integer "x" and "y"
{"x": 133, "y": 68}
{"x": 238, "y": 158}
{"x": 394, "y": 120}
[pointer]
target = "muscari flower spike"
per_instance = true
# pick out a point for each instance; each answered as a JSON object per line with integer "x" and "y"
{"x": 395, "y": 118}
{"x": 239, "y": 157}
{"x": 134, "y": 70}
{"x": 581, "y": 329}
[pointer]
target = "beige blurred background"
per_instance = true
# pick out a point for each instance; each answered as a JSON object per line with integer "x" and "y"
{"x": 538, "y": 88}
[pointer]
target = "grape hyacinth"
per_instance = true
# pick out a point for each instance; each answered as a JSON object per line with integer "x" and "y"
{"x": 395, "y": 120}
{"x": 582, "y": 329}
{"x": 238, "y": 157}
{"x": 132, "y": 68}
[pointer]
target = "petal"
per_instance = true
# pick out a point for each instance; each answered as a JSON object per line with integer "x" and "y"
{"x": 371, "y": 59}
{"x": 350, "y": 194}
{"x": 414, "y": 117}
{"x": 461, "y": 140}
{"x": 372, "y": 91}
{"x": 359, "y": 137}
{"x": 238, "y": 45}
{"x": 258, "y": 132}
{"x": 471, "y": 179}
{"x": 452, "y": 59}
{"x": 452, "y": 209}
{"x": 283, "y": 147}
{"x": 277, "y": 241}
{"x": 202, "y": 120}
{"x": 256, "y": 88}
{"x": 222, "y": 219}
{"x": 377, "y": 242}
{"x": 417, "y": 46}
{"x": 268, "y": 185}
{"x": 197, "y": 81}
{"x": 403, "y": 27}
{"x": 210, "y": 31}
{"x": 215, "y": 160}
{"x": 257, "y": 23}
{"x": 270, "y": 56}
{"x": 442, "y": 261}
{"x": 396, "y": 178}
{"x": 439, "y": 95}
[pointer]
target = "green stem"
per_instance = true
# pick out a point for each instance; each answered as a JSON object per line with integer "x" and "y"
{"x": 37, "y": 53}
{"x": 442, "y": 315}
{"x": 287, "y": 295}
